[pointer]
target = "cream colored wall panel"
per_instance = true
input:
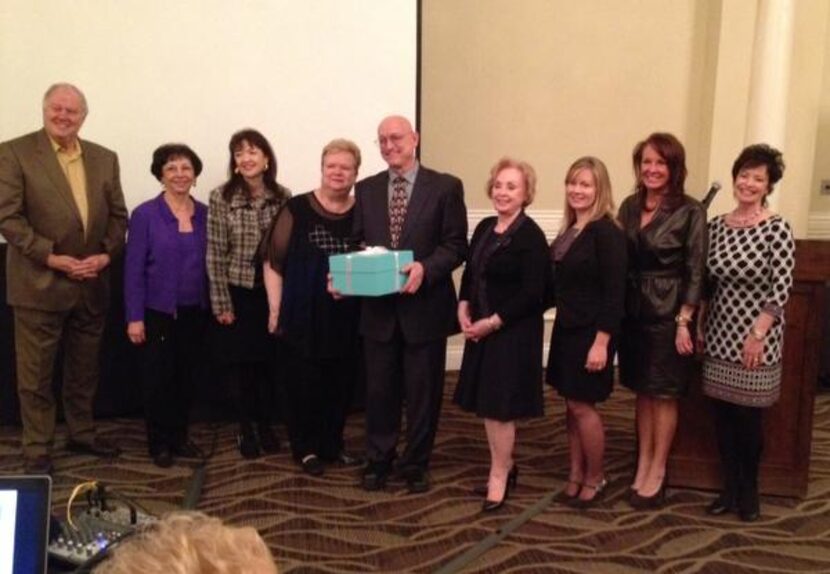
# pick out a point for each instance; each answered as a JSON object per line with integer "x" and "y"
{"x": 549, "y": 81}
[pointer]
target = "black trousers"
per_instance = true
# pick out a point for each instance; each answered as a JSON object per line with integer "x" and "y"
{"x": 318, "y": 395}
{"x": 398, "y": 371}
{"x": 172, "y": 354}
{"x": 740, "y": 437}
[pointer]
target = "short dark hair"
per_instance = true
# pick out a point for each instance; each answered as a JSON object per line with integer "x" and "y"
{"x": 168, "y": 151}
{"x": 757, "y": 155}
{"x": 671, "y": 150}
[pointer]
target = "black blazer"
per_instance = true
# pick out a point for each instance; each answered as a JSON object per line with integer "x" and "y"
{"x": 589, "y": 282}
{"x": 514, "y": 274}
{"x": 435, "y": 229}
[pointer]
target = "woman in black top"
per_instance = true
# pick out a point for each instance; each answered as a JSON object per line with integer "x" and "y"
{"x": 666, "y": 237}
{"x": 500, "y": 312}
{"x": 319, "y": 332}
{"x": 589, "y": 265}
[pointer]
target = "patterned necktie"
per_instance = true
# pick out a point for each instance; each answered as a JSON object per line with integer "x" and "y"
{"x": 397, "y": 209}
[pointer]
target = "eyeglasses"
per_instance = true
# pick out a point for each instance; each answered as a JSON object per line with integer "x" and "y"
{"x": 393, "y": 139}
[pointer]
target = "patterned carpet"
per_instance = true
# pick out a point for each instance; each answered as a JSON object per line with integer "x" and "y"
{"x": 328, "y": 525}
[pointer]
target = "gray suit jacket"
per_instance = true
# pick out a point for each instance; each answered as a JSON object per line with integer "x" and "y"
{"x": 38, "y": 216}
{"x": 435, "y": 229}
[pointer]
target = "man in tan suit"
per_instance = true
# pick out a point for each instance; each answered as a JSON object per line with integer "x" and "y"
{"x": 62, "y": 213}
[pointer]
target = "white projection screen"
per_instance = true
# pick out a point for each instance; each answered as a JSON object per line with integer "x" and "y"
{"x": 301, "y": 71}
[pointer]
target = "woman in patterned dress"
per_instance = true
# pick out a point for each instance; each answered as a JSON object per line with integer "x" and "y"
{"x": 319, "y": 332}
{"x": 666, "y": 236}
{"x": 750, "y": 265}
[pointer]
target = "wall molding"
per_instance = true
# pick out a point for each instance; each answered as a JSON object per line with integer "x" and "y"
{"x": 548, "y": 219}
{"x": 818, "y": 225}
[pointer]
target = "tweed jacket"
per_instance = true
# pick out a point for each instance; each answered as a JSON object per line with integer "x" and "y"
{"x": 39, "y": 217}
{"x": 235, "y": 231}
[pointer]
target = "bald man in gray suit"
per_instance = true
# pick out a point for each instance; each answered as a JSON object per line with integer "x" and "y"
{"x": 405, "y": 334}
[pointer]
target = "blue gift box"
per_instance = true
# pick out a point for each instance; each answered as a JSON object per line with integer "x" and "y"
{"x": 369, "y": 273}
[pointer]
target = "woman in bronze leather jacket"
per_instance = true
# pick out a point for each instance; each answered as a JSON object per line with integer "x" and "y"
{"x": 666, "y": 237}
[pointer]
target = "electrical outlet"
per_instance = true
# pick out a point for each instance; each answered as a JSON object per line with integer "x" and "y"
{"x": 825, "y": 187}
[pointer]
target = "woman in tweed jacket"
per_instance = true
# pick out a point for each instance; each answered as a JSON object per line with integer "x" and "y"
{"x": 240, "y": 212}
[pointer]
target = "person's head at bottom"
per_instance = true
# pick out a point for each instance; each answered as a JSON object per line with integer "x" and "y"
{"x": 190, "y": 543}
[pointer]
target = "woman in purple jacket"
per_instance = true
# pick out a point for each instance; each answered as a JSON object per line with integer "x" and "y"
{"x": 166, "y": 298}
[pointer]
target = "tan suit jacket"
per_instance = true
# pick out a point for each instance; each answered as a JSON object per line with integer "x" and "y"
{"x": 39, "y": 216}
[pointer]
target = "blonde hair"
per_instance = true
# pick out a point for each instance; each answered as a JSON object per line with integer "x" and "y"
{"x": 191, "y": 543}
{"x": 527, "y": 171}
{"x": 603, "y": 202}
{"x": 344, "y": 145}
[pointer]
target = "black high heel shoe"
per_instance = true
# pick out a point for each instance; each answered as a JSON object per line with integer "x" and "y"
{"x": 512, "y": 481}
{"x": 493, "y": 505}
{"x": 563, "y": 497}
{"x": 599, "y": 494}
{"x": 656, "y": 500}
{"x": 721, "y": 505}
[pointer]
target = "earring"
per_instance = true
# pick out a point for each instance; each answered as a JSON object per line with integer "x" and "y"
{"x": 236, "y": 169}
{"x": 266, "y": 166}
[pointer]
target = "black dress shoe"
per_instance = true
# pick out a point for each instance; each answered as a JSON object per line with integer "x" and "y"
{"x": 98, "y": 447}
{"x": 721, "y": 505}
{"x": 375, "y": 475}
{"x": 163, "y": 458}
{"x": 40, "y": 464}
{"x": 248, "y": 445}
{"x": 312, "y": 465}
{"x": 187, "y": 449}
{"x": 345, "y": 458}
{"x": 268, "y": 440}
{"x": 749, "y": 507}
{"x": 417, "y": 480}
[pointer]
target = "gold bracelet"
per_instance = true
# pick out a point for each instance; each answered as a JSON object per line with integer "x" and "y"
{"x": 682, "y": 320}
{"x": 757, "y": 335}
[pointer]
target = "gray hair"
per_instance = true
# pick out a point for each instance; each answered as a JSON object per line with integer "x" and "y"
{"x": 66, "y": 86}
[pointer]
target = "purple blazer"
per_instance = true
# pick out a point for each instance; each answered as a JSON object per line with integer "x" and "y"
{"x": 152, "y": 264}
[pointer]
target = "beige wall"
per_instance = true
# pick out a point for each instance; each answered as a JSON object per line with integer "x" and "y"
{"x": 550, "y": 80}
{"x": 821, "y": 203}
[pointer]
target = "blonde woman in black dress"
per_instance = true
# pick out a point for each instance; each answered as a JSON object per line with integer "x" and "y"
{"x": 500, "y": 311}
{"x": 589, "y": 265}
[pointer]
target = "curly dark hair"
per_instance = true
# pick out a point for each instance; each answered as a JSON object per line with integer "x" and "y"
{"x": 757, "y": 155}
{"x": 168, "y": 151}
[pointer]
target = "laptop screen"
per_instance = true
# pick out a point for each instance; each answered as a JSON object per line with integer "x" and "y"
{"x": 24, "y": 523}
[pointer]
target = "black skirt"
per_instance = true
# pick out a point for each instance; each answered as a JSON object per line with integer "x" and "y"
{"x": 566, "y": 365}
{"x": 246, "y": 340}
{"x": 501, "y": 376}
{"x": 649, "y": 361}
